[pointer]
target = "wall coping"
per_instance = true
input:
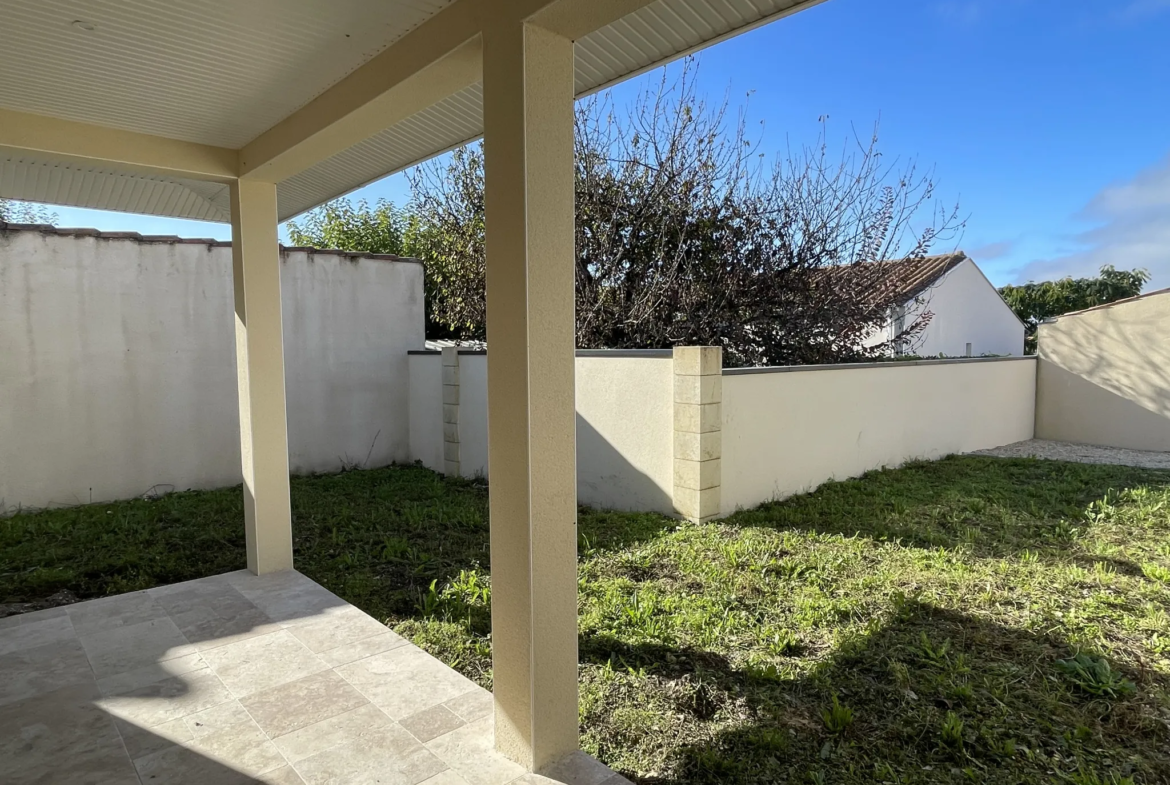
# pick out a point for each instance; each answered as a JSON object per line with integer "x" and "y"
{"x": 861, "y": 366}
{"x": 608, "y": 353}
{"x": 171, "y": 239}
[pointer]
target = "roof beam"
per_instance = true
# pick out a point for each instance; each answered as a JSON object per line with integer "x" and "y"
{"x": 39, "y": 136}
{"x": 575, "y": 19}
{"x": 439, "y": 57}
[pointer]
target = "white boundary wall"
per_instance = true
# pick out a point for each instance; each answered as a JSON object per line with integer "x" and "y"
{"x": 787, "y": 430}
{"x": 118, "y": 369}
{"x": 624, "y": 424}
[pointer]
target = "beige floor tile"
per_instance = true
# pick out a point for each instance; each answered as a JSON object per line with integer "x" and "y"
{"x": 335, "y": 731}
{"x": 432, "y": 722}
{"x": 306, "y": 701}
{"x": 470, "y": 750}
{"x": 285, "y": 775}
{"x": 337, "y": 628}
{"x": 28, "y": 672}
{"x": 32, "y": 617}
{"x": 141, "y": 742}
{"x": 180, "y": 765}
{"x": 448, "y": 777}
{"x": 209, "y": 585}
{"x": 405, "y": 680}
{"x": 218, "y": 718}
{"x": 61, "y": 737}
{"x": 224, "y": 734}
{"x": 473, "y": 705}
{"x": 122, "y": 610}
{"x": 342, "y": 655}
{"x": 392, "y": 757}
{"x": 212, "y": 613}
{"x": 259, "y": 663}
{"x": 168, "y": 699}
{"x": 140, "y": 677}
{"x": 38, "y": 633}
{"x": 578, "y": 768}
{"x": 287, "y": 597}
{"x": 134, "y": 646}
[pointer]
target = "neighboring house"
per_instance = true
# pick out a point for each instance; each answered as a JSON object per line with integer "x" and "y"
{"x": 967, "y": 314}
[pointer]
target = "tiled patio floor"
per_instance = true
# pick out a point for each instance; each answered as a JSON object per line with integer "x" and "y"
{"x": 240, "y": 679}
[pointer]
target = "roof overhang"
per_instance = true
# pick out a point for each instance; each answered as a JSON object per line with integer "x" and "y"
{"x": 158, "y": 106}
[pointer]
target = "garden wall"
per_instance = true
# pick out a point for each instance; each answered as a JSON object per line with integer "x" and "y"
{"x": 624, "y": 422}
{"x": 787, "y": 430}
{"x": 1104, "y": 375}
{"x": 118, "y": 369}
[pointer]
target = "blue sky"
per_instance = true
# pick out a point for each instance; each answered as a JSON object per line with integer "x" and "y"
{"x": 1048, "y": 122}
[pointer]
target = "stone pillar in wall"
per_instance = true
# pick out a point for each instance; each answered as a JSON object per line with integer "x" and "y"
{"x": 451, "y": 411}
{"x": 698, "y": 424}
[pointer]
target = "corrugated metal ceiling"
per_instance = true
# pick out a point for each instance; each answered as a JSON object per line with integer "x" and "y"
{"x": 247, "y": 65}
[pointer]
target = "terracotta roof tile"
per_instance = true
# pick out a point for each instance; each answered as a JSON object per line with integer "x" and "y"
{"x": 894, "y": 281}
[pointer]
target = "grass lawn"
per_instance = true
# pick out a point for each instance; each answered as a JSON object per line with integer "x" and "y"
{"x": 967, "y": 620}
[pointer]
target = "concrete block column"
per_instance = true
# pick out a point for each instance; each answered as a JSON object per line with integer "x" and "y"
{"x": 451, "y": 463}
{"x": 698, "y": 431}
{"x": 260, "y": 375}
{"x": 528, "y": 171}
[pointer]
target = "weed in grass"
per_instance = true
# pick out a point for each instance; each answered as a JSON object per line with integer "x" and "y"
{"x": 1094, "y": 675}
{"x": 837, "y": 717}
{"x": 951, "y": 732}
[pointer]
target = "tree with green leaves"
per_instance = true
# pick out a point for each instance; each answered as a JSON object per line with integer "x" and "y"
{"x": 1036, "y": 301}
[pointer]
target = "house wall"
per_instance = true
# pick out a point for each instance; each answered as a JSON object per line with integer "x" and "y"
{"x": 1104, "y": 375}
{"x": 968, "y": 309}
{"x": 787, "y": 430}
{"x": 119, "y": 365}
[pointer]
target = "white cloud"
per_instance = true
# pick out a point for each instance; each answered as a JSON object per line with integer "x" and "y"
{"x": 1133, "y": 231}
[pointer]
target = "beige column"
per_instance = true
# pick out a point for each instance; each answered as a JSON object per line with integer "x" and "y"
{"x": 260, "y": 371}
{"x": 698, "y": 431}
{"x": 528, "y": 148}
{"x": 451, "y": 464}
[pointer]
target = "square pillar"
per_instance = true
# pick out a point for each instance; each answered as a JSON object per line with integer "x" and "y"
{"x": 529, "y": 192}
{"x": 698, "y": 431}
{"x": 260, "y": 372}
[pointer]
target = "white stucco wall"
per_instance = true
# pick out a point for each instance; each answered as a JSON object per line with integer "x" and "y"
{"x": 473, "y": 435}
{"x": 426, "y": 408}
{"x": 1105, "y": 375}
{"x": 625, "y": 426}
{"x": 967, "y": 309}
{"x": 118, "y": 368}
{"x": 625, "y": 432}
{"x": 787, "y": 431}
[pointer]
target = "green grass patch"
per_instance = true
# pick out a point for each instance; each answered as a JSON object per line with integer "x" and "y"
{"x": 966, "y": 620}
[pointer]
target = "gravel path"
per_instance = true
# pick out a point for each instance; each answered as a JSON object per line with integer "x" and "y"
{"x": 1081, "y": 453}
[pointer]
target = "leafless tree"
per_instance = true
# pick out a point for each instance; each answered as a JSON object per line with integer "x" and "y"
{"x": 687, "y": 234}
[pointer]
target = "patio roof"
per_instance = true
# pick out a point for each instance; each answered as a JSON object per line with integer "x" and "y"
{"x": 329, "y": 94}
{"x": 255, "y": 110}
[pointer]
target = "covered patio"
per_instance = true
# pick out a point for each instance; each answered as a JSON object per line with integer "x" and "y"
{"x": 240, "y": 678}
{"x": 251, "y": 112}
